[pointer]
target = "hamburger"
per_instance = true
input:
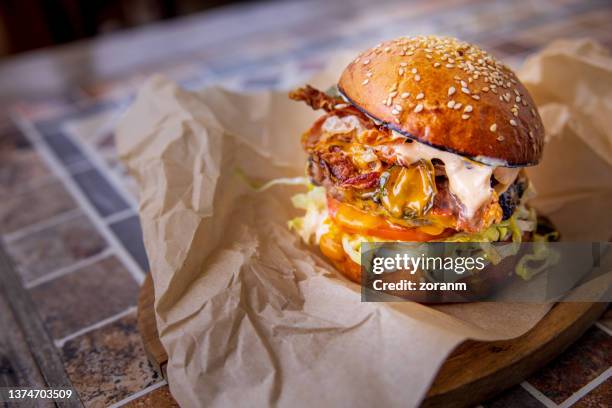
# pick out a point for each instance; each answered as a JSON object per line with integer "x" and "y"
{"x": 424, "y": 139}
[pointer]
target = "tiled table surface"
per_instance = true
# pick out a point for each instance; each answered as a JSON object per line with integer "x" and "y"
{"x": 68, "y": 217}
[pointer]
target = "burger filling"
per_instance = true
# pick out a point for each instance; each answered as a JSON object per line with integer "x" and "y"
{"x": 379, "y": 185}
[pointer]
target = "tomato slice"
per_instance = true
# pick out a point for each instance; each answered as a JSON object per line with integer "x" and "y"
{"x": 356, "y": 221}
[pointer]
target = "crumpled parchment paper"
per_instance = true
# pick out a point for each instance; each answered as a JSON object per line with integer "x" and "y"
{"x": 250, "y": 316}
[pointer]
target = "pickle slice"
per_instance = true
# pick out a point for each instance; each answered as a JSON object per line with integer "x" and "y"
{"x": 408, "y": 192}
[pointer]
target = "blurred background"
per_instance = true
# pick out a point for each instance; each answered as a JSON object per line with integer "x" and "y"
{"x": 71, "y": 253}
{"x": 31, "y": 24}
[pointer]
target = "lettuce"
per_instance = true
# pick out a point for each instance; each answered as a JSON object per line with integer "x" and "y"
{"x": 259, "y": 187}
{"x": 522, "y": 220}
{"x": 543, "y": 256}
{"x": 314, "y": 223}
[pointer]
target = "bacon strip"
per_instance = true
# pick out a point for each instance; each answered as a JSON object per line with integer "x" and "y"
{"x": 363, "y": 181}
{"x": 315, "y": 98}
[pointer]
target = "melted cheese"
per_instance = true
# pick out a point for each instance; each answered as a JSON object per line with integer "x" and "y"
{"x": 470, "y": 182}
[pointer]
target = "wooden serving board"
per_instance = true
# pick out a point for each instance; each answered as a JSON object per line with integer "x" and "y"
{"x": 474, "y": 372}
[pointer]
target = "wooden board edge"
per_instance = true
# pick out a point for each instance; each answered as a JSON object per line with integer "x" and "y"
{"x": 147, "y": 327}
{"x": 503, "y": 364}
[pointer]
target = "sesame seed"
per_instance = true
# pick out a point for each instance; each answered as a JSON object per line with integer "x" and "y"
{"x": 387, "y": 49}
{"x": 395, "y": 111}
{"x": 464, "y": 117}
{"x": 485, "y": 89}
{"x": 465, "y": 90}
{"x": 418, "y": 108}
{"x": 517, "y": 99}
{"x": 369, "y": 74}
{"x": 476, "y": 97}
{"x": 398, "y": 108}
{"x": 451, "y": 90}
{"x": 401, "y": 71}
{"x": 417, "y": 77}
{"x": 365, "y": 81}
{"x": 450, "y": 104}
{"x": 414, "y": 70}
{"x": 500, "y": 138}
{"x": 421, "y": 95}
{"x": 468, "y": 108}
{"x": 403, "y": 64}
{"x": 493, "y": 127}
{"x": 437, "y": 65}
{"x": 450, "y": 66}
{"x": 405, "y": 95}
{"x": 392, "y": 94}
{"x": 463, "y": 84}
{"x": 457, "y": 106}
{"x": 513, "y": 122}
{"x": 366, "y": 62}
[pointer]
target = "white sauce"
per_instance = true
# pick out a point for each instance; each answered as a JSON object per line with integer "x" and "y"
{"x": 469, "y": 181}
{"x": 345, "y": 124}
{"x": 505, "y": 176}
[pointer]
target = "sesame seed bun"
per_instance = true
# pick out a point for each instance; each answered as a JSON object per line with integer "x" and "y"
{"x": 449, "y": 94}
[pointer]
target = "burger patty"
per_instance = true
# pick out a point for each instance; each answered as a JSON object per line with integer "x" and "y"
{"x": 511, "y": 198}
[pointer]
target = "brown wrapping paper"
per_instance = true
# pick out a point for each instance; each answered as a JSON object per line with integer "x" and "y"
{"x": 249, "y": 315}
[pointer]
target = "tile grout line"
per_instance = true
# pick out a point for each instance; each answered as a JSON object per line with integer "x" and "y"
{"x": 41, "y": 225}
{"x": 35, "y": 138}
{"x": 538, "y": 395}
{"x": 81, "y": 263}
{"x": 139, "y": 394}
{"x": 603, "y": 328}
{"x": 104, "y": 322}
{"x": 587, "y": 388}
{"x": 120, "y": 216}
{"x": 95, "y": 159}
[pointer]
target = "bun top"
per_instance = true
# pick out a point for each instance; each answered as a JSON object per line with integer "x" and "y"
{"x": 449, "y": 94}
